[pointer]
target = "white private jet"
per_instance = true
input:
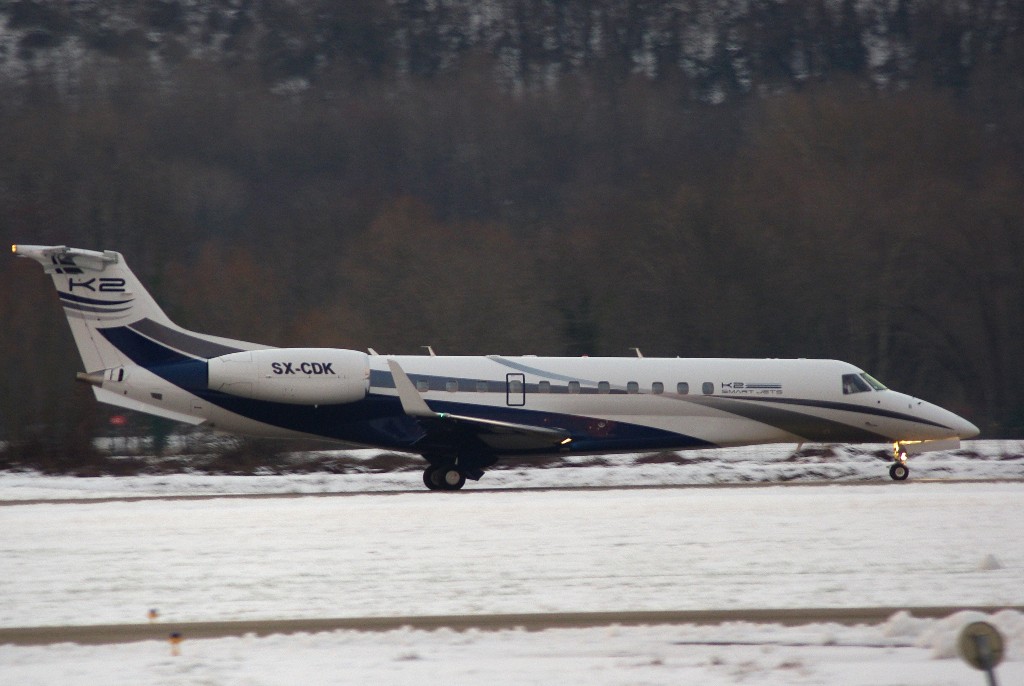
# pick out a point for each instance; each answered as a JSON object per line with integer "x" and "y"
{"x": 463, "y": 414}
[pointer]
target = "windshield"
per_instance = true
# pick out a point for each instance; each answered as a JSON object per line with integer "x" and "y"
{"x": 861, "y": 383}
{"x": 874, "y": 383}
{"x": 852, "y": 383}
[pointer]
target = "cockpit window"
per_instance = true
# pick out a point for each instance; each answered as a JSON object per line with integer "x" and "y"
{"x": 874, "y": 383}
{"x": 853, "y": 383}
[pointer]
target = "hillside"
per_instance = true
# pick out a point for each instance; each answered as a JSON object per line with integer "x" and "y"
{"x": 713, "y": 49}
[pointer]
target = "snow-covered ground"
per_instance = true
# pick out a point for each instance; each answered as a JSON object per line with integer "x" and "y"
{"x": 426, "y": 553}
{"x": 902, "y": 651}
{"x": 757, "y": 464}
{"x": 920, "y": 543}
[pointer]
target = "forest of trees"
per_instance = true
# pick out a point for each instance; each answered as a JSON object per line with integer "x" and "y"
{"x": 832, "y": 214}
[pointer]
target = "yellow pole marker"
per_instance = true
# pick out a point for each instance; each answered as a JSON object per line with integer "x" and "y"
{"x": 153, "y": 615}
{"x": 175, "y": 641}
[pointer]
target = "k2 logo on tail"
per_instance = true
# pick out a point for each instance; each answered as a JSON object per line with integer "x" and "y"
{"x": 104, "y": 285}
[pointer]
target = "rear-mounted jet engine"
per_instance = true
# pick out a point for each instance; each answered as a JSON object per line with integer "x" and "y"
{"x": 310, "y": 376}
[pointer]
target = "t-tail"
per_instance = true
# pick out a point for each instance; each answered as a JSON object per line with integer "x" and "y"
{"x": 120, "y": 330}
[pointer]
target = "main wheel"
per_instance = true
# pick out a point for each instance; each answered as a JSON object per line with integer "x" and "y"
{"x": 443, "y": 478}
{"x": 428, "y": 478}
{"x": 899, "y": 471}
{"x": 451, "y": 479}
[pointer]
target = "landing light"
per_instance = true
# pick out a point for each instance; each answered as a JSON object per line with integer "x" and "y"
{"x": 14, "y": 249}
{"x": 566, "y": 441}
{"x": 898, "y": 453}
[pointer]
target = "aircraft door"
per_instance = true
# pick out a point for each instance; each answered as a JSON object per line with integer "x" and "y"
{"x": 515, "y": 389}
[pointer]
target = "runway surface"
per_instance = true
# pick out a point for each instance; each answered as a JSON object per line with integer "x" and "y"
{"x": 128, "y": 633}
{"x": 471, "y": 490}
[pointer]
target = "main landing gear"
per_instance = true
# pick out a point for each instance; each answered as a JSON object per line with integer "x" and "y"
{"x": 449, "y": 473}
{"x": 899, "y": 471}
{"x": 443, "y": 478}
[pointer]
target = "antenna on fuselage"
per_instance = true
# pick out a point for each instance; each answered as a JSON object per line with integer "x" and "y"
{"x": 637, "y": 351}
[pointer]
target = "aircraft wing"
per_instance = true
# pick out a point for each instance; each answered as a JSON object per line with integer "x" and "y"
{"x": 497, "y": 435}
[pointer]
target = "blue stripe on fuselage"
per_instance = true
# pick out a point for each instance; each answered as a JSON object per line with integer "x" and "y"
{"x": 379, "y": 419}
{"x": 374, "y": 421}
{"x": 589, "y": 434}
{"x": 141, "y": 350}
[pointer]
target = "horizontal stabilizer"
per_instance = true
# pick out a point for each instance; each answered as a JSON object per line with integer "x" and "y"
{"x": 118, "y": 400}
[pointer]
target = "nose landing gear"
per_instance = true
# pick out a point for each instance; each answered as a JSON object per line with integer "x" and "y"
{"x": 899, "y": 470}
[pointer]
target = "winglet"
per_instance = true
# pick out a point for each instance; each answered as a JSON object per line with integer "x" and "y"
{"x": 412, "y": 402}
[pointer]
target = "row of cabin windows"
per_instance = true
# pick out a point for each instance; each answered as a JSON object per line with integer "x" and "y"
{"x": 603, "y": 387}
{"x": 633, "y": 387}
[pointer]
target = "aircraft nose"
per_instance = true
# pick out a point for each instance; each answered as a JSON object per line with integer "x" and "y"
{"x": 964, "y": 429}
{"x": 945, "y": 421}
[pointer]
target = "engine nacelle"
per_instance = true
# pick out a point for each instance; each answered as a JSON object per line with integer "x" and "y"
{"x": 302, "y": 376}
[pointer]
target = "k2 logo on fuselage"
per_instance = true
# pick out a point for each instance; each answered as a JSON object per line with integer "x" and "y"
{"x": 742, "y": 388}
{"x": 307, "y": 368}
{"x": 103, "y": 285}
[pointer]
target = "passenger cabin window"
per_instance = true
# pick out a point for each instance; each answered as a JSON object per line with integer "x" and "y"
{"x": 708, "y": 388}
{"x": 657, "y": 388}
{"x": 604, "y": 387}
{"x": 574, "y": 387}
{"x": 515, "y": 387}
{"x": 683, "y": 388}
{"x": 481, "y": 386}
{"x": 544, "y": 387}
{"x": 423, "y": 386}
{"x": 853, "y": 383}
{"x": 451, "y": 386}
{"x": 632, "y": 387}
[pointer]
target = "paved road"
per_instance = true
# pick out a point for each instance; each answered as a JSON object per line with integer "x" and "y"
{"x": 127, "y": 633}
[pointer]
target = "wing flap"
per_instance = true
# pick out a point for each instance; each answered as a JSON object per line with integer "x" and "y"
{"x": 506, "y": 436}
{"x": 497, "y": 435}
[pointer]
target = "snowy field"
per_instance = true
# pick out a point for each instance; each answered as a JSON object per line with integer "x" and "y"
{"x": 902, "y": 651}
{"x": 753, "y": 465}
{"x": 920, "y": 543}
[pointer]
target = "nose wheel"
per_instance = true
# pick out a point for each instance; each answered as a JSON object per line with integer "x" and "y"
{"x": 899, "y": 471}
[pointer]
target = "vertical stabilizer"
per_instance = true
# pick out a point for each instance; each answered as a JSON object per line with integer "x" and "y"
{"x": 112, "y": 316}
